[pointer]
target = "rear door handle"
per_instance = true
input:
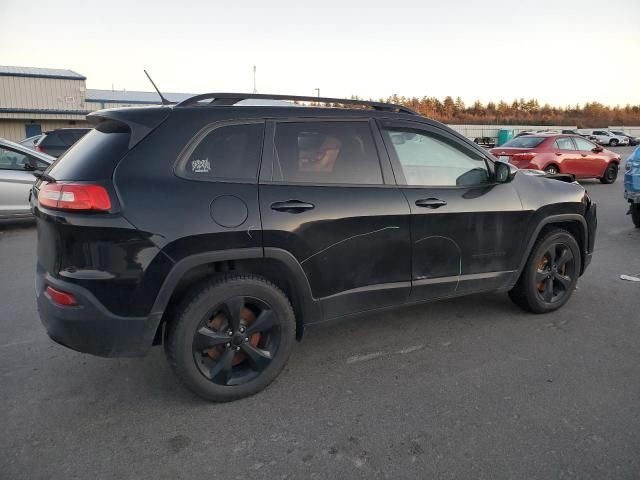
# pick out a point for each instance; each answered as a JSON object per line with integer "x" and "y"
{"x": 292, "y": 206}
{"x": 430, "y": 202}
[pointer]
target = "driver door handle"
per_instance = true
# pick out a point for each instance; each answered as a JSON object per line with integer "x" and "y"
{"x": 430, "y": 203}
{"x": 292, "y": 206}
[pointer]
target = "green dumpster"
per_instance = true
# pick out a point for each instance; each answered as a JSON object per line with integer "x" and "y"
{"x": 504, "y": 135}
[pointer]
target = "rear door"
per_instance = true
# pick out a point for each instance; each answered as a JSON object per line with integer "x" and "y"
{"x": 326, "y": 199}
{"x": 466, "y": 230}
{"x": 16, "y": 180}
{"x": 568, "y": 158}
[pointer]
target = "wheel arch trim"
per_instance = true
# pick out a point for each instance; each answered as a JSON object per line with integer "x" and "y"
{"x": 308, "y": 306}
{"x": 550, "y": 220}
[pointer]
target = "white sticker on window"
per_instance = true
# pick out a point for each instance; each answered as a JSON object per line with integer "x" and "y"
{"x": 201, "y": 166}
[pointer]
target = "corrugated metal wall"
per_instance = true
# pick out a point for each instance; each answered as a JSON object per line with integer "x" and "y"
{"x": 42, "y": 93}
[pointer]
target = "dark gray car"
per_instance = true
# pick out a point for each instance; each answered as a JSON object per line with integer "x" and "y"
{"x": 56, "y": 142}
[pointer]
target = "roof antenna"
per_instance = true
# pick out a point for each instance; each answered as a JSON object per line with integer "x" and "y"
{"x": 164, "y": 100}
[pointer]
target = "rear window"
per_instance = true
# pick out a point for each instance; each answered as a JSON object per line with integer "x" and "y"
{"x": 524, "y": 142}
{"x": 228, "y": 153}
{"x": 95, "y": 155}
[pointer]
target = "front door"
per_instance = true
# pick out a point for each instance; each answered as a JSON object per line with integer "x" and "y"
{"x": 16, "y": 181}
{"x": 324, "y": 199}
{"x": 593, "y": 163}
{"x": 466, "y": 230}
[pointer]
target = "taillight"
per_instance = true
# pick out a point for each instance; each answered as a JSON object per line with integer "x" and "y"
{"x": 523, "y": 156}
{"x": 61, "y": 298}
{"x": 74, "y": 196}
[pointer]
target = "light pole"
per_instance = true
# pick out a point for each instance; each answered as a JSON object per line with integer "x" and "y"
{"x": 255, "y": 89}
{"x": 317, "y": 90}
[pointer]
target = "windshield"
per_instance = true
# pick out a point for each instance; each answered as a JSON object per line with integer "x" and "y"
{"x": 524, "y": 142}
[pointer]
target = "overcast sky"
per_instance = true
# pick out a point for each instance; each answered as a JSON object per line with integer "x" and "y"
{"x": 558, "y": 51}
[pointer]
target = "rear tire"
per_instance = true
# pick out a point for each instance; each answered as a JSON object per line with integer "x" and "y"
{"x": 610, "y": 174}
{"x": 635, "y": 214}
{"x": 550, "y": 274}
{"x": 231, "y": 337}
{"x": 552, "y": 170}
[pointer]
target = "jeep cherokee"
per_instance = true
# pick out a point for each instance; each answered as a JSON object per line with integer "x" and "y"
{"x": 220, "y": 230}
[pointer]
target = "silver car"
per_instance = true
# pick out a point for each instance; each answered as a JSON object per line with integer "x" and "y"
{"x": 17, "y": 164}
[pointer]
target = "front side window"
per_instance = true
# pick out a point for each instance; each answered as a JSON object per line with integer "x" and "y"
{"x": 564, "y": 143}
{"x": 584, "y": 144}
{"x": 433, "y": 160}
{"x": 230, "y": 152}
{"x": 326, "y": 152}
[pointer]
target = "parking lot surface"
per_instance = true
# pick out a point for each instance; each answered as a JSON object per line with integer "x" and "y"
{"x": 466, "y": 388}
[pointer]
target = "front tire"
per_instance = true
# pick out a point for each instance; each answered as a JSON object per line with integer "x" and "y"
{"x": 610, "y": 174}
{"x": 613, "y": 142}
{"x": 231, "y": 337}
{"x": 550, "y": 274}
{"x": 635, "y": 214}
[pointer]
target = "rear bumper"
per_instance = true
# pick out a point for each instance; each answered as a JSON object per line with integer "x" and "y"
{"x": 90, "y": 327}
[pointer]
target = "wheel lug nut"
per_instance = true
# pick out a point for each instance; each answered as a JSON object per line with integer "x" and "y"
{"x": 237, "y": 348}
{"x": 241, "y": 329}
{"x": 246, "y": 339}
{"x": 229, "y": 333}
{"x": 227, "y": 344}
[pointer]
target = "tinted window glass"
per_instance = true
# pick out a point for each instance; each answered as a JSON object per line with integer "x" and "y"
{"x": 526, "y": 141}
{"x": 95, "y": 155}
{"x": 434, "y": 160}
{"x": 584, "y": 144}
{"x": 564, "y": 143}
{"x": 231, "y": 152}
{"x": 326, "y": 152}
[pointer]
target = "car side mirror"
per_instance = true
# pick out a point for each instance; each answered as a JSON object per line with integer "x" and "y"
{"x": 503, "y": 172}
{"x": 29, "y": 167}
{"x": 597, "y": 149}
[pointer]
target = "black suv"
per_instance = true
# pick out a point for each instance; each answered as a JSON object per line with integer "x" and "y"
{"x": 56, "y": 142}
{"x": 221, "y": 230}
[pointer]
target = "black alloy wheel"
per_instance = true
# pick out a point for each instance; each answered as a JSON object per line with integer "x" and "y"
{"x": 551, "y": 273}
{"x": 610, "y": 174}
{"x": 555, "y": 273}
{"x": 235, "y": 341}
{"x": 231, "y": 337}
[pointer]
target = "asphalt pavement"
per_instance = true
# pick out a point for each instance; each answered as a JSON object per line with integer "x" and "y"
{"x": 472, "y": 388}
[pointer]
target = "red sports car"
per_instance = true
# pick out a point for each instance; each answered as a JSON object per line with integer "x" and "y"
{"x": 555, "y": 153}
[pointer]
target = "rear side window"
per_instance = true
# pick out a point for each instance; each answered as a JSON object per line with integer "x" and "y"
{"x": 564, "y": 143}
{"x": 526, "y": 141}
{"x": 326, "y": 152}
{"x": 95, "y": 155}
{"x": 229, "y": 152}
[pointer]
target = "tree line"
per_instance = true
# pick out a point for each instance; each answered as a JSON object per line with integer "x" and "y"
{"x": 518, "y": 112}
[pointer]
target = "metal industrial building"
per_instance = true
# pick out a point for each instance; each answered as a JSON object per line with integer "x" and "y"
{"x": 34, "y": 100}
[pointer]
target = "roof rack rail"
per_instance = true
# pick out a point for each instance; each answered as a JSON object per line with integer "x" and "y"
{"x": 225, "y": 99}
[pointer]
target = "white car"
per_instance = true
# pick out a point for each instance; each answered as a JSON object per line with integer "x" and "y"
{"x": 17, "y": 164}
{"x": 605, "y": 137}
